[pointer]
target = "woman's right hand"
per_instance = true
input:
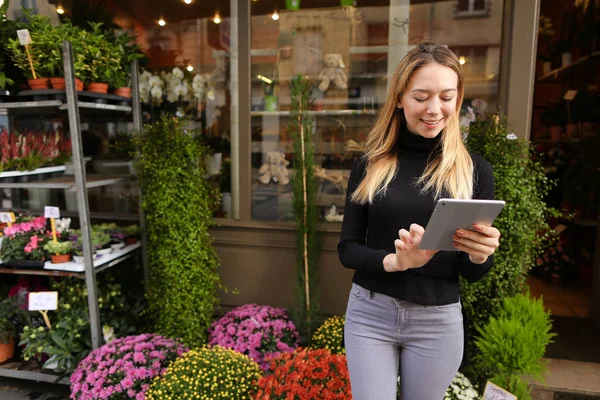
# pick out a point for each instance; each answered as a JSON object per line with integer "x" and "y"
{"x": 408, "y": 255}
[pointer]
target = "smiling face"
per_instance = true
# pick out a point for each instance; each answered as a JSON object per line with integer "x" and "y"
{"x": 430, "y": 99}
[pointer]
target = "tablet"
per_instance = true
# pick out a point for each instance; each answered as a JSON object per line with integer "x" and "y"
{"x": 452, "y": 214}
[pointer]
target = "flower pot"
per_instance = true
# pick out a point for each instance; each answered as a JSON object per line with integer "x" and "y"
{"x": 566, "y": 59}
{"x": 130, "y": 240}
{"x": 285, "y": 52}
{"x": 292, "y": 5}
{"x": 546, "y": 68}
{"x": 78, "y": 259}
{"x": 78, "y": 85}
{"x": 7, "y": 350}
{"x": 60, "y": 258}
{"x": 97, "y": 87}
{"x": 58, "y": 83}
{"x": 40, "y": 83}
{"x": 117, "y": 246}
{"x": 123, "y": 92}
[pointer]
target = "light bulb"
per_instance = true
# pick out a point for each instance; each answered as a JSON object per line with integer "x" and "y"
{"x": 60, "y": 10}
{"x": 275, "y": 16}
{"x": 187, "y": 1}
{"x": 162, "y": 22}
{"x": 462, "y": 60}
{"x": 217, "y": 18}
{"x": 190, "y": 68}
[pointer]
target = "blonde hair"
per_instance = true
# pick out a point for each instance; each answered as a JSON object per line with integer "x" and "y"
{"x": 452, "y": 168}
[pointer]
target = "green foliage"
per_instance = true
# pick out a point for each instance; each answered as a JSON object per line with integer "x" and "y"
{"x": 514, "y": 341}
{"x": 53, "y": 247}
{"x": 8, "y": 319}
{"x": 329, "y": 335}
{"x": 515, "y": 385}
{"x": 178, "y": 205}
{"x": 305, "y": 208}
{"x": 8, "y": 30}
{"x": 521, "y": 182}
{"x": 41, "y": 53}
{"x": 208, "y": 373}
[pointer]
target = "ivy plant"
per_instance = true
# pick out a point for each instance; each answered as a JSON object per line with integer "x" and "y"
{"x": 178, "y": 205}
{"x": 523, "y": 224}
{"x": 305, "y": 209}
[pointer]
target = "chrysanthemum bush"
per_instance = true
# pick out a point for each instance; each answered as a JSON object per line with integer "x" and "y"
{"x": 260, "y": 332}
{"x": 461, "y": 389}
{"x": 208, "y": 373}
{"x": 329, "y": 335}
{"x": 306, "y": 375}
{"x": 124, "y": 368}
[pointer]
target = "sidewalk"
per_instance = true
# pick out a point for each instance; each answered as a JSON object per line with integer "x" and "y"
{"x": 18, "y": 389}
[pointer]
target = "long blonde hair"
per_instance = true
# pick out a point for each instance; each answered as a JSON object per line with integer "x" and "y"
{"x": 452, "y": 168}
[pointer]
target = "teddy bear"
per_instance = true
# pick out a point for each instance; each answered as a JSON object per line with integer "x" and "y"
{"x": 333, "y": 72}
{"x": 274, "y": 168}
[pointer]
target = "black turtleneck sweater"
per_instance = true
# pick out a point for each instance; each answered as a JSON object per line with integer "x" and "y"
{"x": 369, "y": 231}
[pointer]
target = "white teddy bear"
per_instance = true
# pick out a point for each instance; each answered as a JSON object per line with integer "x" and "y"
{"x": 274, "y": 168}
{"x": 333, "y": 72}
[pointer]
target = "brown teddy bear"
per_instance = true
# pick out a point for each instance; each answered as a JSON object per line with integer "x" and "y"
{"x": 333, "y": 72}
{"x": 274, "y": 168}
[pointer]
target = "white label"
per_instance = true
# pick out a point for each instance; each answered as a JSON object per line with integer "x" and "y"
{"x": 24, "y": 37}
{"x": 51, "y": 212}
{"x": 493, "y": 392}
{"x": 570, "y": 95}
{"x": 43, "y": 301}
{"x": 7, "y": 217}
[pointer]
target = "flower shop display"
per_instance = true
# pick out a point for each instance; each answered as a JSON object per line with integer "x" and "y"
{"x": 8, "y": 329}
{"x": 60, "y": 251}
{"x": 306, "y": 375}
{"x": 329, "y": 335}
{"x": 461, "y": 389}
{"x": 207, "y": 373}
{"x": 260, "y": 332}
{"x": 31, "y": 150}
{"x": 124, "y": 368}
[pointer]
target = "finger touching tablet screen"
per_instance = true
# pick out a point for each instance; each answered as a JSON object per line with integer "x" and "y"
{"x": 452, "y": 214}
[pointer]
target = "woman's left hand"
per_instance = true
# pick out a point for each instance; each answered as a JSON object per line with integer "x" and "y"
{"x": 479, "y": 243}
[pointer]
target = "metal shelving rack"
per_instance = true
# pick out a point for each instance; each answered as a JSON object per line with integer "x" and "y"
{"x": 79, "y": 183}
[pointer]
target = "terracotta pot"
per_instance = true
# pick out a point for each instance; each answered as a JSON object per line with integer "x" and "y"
{"x": 57, "y": 83}
{"x": 41, "y": 83}
{"x": 123, "y": 92}
{"x": 130, "y": 240}
{"x": 60, "y": 258}
{"x": 78, "y": 85}
{"x": 7, "y": 350}
{"x": 97, "y": 87}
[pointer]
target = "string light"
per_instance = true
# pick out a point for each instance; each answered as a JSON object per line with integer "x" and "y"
{"x": 190, "y": 68}
{"x": 60, "y": 10}
{"x": 217, "y": 18}
{"x": 462, "y": 60}
{"x": 162, "y": 22}
{"x": 187, "y": 1}
{"x": 275, "y": 16}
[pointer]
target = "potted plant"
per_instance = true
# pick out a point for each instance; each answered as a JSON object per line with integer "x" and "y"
{"x": 9, "y": 72}
{"x": 23, "y": 243}
{"x": 285, "y": 42}
{"x": 132, "y": 233}
{"x": 127, "y": 51}
{"x": 7, "y": 337}
{"x": 100, "y": 59}
{"x": 60, "y": 251}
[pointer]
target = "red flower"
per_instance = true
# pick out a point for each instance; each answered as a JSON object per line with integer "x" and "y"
{"x": 306, "y": 375}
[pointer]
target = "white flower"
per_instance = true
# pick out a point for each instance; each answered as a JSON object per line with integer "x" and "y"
{"x": 511, "y": 136}
{"x": 62, "y": 224}
{"x": 155, "y": 81}
{"x": 156, "y": 92}
{"x": 177, "y": 73}
{"x": 108, "y": 332}
{"x": 180, "y": 90}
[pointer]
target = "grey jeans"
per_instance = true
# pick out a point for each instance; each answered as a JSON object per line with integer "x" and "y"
{"x": 383, "y": 334}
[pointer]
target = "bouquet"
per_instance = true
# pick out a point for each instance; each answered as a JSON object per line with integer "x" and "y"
{"x": 329, "y": 335}
{"x": 259, "y": 332}
{"x": 306, "y": 375}
{"x": 123, "y": 368}
{"x": 207, "y": 373}
{"x": 461, "y": 389}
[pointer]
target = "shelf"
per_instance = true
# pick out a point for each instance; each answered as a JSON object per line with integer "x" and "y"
{"x": 288, "y": 147}
{"x": 315, "y": 113}
{"x": 100, "y": 264}
{"x": 64, "y": 182}
{"x": 39, "y": 171}
{"x": 553, "y": 75}
{"x": 26, "y": 370}
{"x": 38, "y": 272}
{"x": 99, "y": 106}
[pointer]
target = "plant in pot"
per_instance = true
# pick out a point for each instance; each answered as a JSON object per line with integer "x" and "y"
{"x": 127, "y": 51}
{"x": 23, "y": 243}
{"x": 8, "y": 332}
{"x": 132, "y": 234}
{"x": 100, "y": 59}
{"x": 9, "y": 73}
{"x": 60, "y": 251}
{"x": 40, "y": 28}
{"x": 285, "y": 42}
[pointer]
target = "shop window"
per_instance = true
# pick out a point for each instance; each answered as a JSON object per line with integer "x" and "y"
{"x": 472, "y": 8}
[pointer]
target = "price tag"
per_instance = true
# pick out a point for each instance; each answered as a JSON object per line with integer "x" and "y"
{"x": 43, "y": 301}
{"x": 24, "y": 37}
{"x": 493, "y": 392}
{"x": 570, "y": 95}
{"x": 7, "y": 217}
{"x": 51, "y": 212}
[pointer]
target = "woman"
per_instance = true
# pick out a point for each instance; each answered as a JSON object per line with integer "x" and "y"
{"x": 404, "y": 313}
